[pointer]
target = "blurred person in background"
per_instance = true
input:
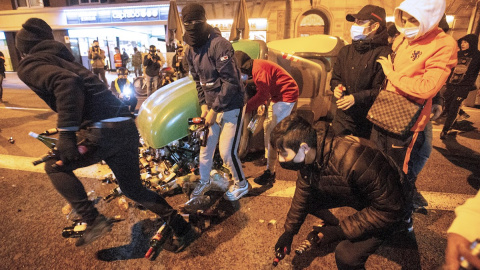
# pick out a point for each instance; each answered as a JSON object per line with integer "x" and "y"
{"x": 2, "y": 75}
{"x": 137, "y": 62}
{"x": 461, "y": 81}
{"x": 179, "y": 62}
{"x": 117, "y": 57}
{"x": 97, "y": 60}
{"x": 152, "y": 64}
{"x": 123, "y": 89}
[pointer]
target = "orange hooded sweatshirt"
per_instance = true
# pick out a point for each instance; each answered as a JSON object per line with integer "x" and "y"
{"x": 422, "y": 64}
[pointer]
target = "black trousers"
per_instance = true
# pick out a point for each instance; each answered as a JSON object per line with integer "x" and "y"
{"x": 454, "y": 96}
{"x": 119, "y": 148}
{"x": 348, "y": 254}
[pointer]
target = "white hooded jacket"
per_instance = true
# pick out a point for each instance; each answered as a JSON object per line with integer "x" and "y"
{"x": 427, "y": 12}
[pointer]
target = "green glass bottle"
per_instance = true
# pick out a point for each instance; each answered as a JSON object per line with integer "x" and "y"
{"x": 48, "y": 141}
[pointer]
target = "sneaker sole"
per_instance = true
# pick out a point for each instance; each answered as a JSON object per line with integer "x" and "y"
{"x": 232, "y": 198}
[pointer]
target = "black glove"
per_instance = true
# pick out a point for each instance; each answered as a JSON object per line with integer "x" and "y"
{"x": 330, "y": 234}
{"x": 67, "y": 146}
{"x": 285, "y": 241}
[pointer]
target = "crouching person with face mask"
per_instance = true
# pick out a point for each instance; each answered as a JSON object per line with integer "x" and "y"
{"x": 335, "y": 172}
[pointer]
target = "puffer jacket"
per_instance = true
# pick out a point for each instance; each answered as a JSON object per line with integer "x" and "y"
{"x": 71, "y": 90}
{"x": 350, "y": 173}
{"x": 359, "y": 72}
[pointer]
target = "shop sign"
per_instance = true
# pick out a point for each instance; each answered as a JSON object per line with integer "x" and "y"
{"x": 118, "y": 15}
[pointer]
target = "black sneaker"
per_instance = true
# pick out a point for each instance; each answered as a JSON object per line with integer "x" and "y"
{"x": 267, "y": 178}
{"x": 179, "y": 243}
{"x": 98, "y": 228}
{"x": 419, "y": 201}
{"x": 443, "y": 135}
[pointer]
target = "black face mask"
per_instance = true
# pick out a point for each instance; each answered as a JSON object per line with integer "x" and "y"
{"x": 196, "y": 35}
{"x": 293, "y": 166}
{"x": 122, "y": 82}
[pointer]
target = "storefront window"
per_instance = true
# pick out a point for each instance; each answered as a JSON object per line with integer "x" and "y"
{"x": 6, "y": 53}
{"x": 108, "y": 38}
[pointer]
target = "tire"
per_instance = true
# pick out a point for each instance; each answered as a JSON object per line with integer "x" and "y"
{"x": 139, "y": 86}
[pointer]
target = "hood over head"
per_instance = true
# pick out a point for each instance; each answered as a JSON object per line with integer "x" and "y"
{"x": 53, "y": 47}
{"x": 427, "y": 12}
{"x": 33, "y": 31}
{"x": 244, "y": 62}
{"x": 472, "y": 40}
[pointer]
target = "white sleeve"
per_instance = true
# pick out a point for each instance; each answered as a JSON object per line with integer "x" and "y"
{"x": 467, "y": 222}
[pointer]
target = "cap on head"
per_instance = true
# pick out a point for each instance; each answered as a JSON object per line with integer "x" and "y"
{"x": 369, "y": 12}
{"x": 153, "y": 48}
{"x": 33, "y": 31}
{"x": 193, "y": 12}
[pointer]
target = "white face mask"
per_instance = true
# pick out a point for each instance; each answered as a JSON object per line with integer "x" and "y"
{"x": 411, "y": 32}
{"x": 356, "y": 32}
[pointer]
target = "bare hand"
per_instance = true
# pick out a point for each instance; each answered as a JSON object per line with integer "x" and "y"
{"x": 211, "y": 118}
{"x": 458, "y": 246}
{"x": 345, "y": 102}
{"x": 204, "y": 109}
{"x": 338, "y": 91}
{"x": 436, "y": 111}
{"x": 386, "y": 63}
{"x": 261, "y": 110}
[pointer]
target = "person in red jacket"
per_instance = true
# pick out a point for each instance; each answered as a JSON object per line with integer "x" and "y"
{"x": 273, "y": 84}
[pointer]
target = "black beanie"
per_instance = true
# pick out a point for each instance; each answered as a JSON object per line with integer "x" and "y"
{"x": 33, "y": 31}
{"x": 193, "y": 12}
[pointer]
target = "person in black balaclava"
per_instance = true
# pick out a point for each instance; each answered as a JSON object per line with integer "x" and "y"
{"x": 221, "y": 96}
{"x": 196, "y": 28}
{"x": 461, "y": 80}
{"x": 357, "y": 77}
{"x": 103, "y": 124}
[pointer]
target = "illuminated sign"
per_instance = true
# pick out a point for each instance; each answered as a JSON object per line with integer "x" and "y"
{"x": 159, "y": 13}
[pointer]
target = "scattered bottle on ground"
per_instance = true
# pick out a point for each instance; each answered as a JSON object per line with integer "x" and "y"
{"x": 279, "y": 255}
{"x": 158, "y": 240}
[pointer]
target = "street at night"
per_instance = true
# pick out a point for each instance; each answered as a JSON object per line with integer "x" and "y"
{"x": 243, "y": 238}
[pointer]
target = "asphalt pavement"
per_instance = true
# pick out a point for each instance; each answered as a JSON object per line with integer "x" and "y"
{"x": 242, "y": 239}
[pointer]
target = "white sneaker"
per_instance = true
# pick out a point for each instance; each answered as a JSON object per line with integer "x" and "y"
{"x": 236, "y": 191}
{"x": 201, "y": 189}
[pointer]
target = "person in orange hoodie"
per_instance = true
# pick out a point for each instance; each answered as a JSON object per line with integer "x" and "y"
{"x": 424, "y": 57}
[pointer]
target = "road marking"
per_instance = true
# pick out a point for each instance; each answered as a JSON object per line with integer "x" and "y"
{"x": 282, "y": 188}
{"x": 97, "y": 171}
{"x": 26, "y": 109}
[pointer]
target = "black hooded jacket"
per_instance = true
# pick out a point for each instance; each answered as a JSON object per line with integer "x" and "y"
{"x": 465, "y": 73}
{"x": 357, "y": 69}
{"x": 71, "y": 90}
{"x": 349, "y": 173}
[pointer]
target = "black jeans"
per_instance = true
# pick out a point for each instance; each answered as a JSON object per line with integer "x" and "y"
{"x": 119, "y": 148}
{"x": 396, "y": 147}
{"x": 354, "y": 254}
